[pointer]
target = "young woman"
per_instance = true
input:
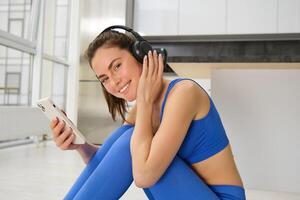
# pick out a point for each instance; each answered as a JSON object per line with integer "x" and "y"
{"x": 172, "y": 143}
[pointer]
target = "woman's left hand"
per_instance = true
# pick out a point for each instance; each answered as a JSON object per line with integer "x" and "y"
{"x": 150, "y": 83}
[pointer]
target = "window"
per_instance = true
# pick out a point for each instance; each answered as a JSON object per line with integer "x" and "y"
{"x": 54, "y": 82}
{"x": 56, "y": 33}
{"x": 15, "y": 76}
{"x": 17, "y": 58}
{"x": 34, "y": 62}
{"x": 15, "y": 17}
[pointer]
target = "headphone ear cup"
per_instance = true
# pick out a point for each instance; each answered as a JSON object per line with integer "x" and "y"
{"x": 145, "y": 47}
{"x": 135, "y": 51}
{"x": 139, "y": 49}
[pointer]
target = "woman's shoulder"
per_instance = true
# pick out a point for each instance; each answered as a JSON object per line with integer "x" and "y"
{"x": 190, "y": 86}
{"x": 179, "y": 92}
{"x": 191, "y": 89}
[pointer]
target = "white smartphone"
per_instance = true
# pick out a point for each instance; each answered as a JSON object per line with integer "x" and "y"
{"x": 48, "y": 107}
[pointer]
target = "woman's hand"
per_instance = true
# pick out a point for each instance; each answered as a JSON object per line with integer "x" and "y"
{"x": 63, "y": 136}
{"x": 150, "y": 83}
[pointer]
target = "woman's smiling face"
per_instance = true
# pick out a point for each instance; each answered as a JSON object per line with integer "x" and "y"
{"x": 118, "y": 71}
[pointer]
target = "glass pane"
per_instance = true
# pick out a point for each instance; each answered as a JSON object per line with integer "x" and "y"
{"x": 62, "y": 2}
{"x": 60, "y": 46}
{"x": 59, "y": 84}
{"x": 15, "y": 15}
{"x": 4, "y": 20}
{"x": 54, "y": 82}
{"x": 56, "y": 32}
{"x": 16, "y": 27}
{"x": 15, "y": 77}
{"x": 61, "y": 25}
{"x": 17, "y": 1}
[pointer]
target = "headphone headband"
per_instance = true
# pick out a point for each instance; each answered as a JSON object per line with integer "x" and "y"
{"x": 126, "y": 28}
{"x": 141, "y": 47}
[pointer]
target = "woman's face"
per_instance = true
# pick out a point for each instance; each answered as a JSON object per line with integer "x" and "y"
{"x": 118, "y": 71}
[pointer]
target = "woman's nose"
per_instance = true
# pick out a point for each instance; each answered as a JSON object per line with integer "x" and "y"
{"x": 116, "y": 80}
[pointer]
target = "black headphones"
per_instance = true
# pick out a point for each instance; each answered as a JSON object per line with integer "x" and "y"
{"x": 140, "y": 47}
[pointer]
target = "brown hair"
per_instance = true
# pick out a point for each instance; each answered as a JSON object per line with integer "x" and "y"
{"x": 111, "y": 39}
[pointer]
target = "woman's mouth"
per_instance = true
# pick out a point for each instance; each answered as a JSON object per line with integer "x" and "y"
{"x": 124, "y": 90}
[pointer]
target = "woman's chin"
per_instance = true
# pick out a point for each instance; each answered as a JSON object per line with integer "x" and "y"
{"x": 128, "y": 97}
{"x": 131, "y": 99}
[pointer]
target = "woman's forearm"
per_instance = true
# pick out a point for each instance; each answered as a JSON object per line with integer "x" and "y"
{"x": 87, "y": 151}
{"x": 142, "y": 137}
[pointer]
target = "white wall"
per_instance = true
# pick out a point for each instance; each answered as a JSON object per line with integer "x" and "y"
{"x": 260, "y": 111}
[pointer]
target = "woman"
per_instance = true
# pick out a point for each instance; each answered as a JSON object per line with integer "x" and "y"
{"x": 172, "y": 143}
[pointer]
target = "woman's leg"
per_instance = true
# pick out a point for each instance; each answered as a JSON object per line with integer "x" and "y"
{"x": 95, "y": 160}
{"x": 113, "y": 175}
{"x": 229, "y": 192}
{"x": 180, "y": 182}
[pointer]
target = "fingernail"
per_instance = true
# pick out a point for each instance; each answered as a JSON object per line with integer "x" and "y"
{"x": 155, "y": 52}
{"x": 149, "y": 52}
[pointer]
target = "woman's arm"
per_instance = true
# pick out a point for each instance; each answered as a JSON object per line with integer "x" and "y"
{"x": 87, "y": 151}
{"x": 152, "y": 152}
{"x": 63, "y": 138}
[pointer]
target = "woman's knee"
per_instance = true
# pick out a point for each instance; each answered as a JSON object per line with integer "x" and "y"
{"x": 122, "y": 144}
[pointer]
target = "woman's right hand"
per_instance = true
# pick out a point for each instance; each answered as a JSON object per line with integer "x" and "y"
{"x": 63, "y": 135}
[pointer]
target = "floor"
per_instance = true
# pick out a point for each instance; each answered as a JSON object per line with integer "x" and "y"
{"x": 42, "y": 171}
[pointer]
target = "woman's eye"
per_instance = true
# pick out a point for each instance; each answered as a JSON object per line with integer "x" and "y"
{"x": 117, "y": 66}
{"x": 104, "y": 80}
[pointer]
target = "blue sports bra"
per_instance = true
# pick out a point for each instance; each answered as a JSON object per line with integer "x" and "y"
{"x": 205, "y": 137}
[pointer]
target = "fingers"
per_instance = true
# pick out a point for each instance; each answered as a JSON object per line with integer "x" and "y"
{"x": 153, "y": 64}
{"x": 53, "y": 123}
{"x": 63, "y": 136}
{"x": 150, "y": 64}
{"x": 58, "y": 128}
{"x": 67, "y": 141}
{"x": 160, "y": 65}
{"x": 145, "y": 66}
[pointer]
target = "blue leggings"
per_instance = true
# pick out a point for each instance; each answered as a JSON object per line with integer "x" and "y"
{"x": 109, "y": 174}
